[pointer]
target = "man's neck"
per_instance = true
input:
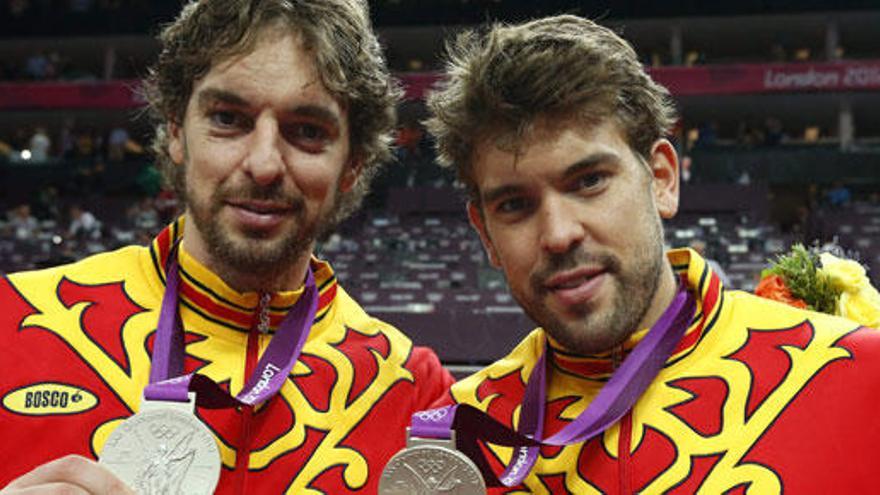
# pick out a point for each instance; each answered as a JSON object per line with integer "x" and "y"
{"x": 667, "y": 287}
{"x": 283, "y": 279}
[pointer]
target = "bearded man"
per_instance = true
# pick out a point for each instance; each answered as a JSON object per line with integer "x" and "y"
{"x": 645, "y": 375}
{"x": 272, "y": 117}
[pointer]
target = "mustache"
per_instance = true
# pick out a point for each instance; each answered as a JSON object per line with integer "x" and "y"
{"x": 569, "y": 260}
{"x": 273, "y": 192}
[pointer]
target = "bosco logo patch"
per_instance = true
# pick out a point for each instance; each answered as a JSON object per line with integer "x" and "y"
{"x": 47, "y": 399}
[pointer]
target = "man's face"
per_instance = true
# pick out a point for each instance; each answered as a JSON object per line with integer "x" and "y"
{"x": 574, "y": 223}
{"x": 266, "y": 151}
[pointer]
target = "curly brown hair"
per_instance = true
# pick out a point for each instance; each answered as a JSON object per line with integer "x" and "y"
{"x": 500, "y": 82}
{"x": 337, "y": 32}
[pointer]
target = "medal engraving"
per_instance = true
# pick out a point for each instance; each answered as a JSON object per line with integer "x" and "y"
{"x": 431, "y": 468}
{"x": 164, "y": 451}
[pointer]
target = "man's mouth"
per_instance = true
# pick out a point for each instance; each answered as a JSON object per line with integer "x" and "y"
{"x": 577, "y": 286}
{"x": 261, "y": 207}
{"x": 260, "y": 214}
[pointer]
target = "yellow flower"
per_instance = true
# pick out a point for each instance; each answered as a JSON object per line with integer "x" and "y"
{"x": 847, "y": 275}
{"x": 862, "y": 306}
{"x": 859, "y": 301}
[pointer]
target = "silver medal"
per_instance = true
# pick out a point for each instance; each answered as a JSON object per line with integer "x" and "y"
{"x": 164, "y": 450}
{"x": 431, "y": 467}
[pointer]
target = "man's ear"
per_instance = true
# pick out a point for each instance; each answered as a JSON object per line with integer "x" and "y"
{"x": 351, "y": 174}
{"x": 176, "y": 145}
{"x": 476, "y": 217}
{"x": 663, "y": 165}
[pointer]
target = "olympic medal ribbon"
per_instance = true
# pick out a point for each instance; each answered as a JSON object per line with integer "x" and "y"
{"x": 617, "y": 397}
{"x": 167, "y": 381}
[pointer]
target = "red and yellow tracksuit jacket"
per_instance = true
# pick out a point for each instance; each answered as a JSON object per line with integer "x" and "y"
{"x": 758, "y": 398}
{"x": 75, "y": 357}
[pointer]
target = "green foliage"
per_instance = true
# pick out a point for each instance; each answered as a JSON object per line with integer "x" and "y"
{"x": 799, "y": 268}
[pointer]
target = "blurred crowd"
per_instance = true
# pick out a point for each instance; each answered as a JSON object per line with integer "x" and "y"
{"x": 44, "y": 65}
{"x": 57, "y": 230}
{"x": 70, "y": 142}
{"x": 753, "y": 132}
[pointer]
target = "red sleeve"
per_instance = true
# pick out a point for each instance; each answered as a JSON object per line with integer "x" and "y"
{"x": 432, "y": 379}
{"x": 831, "y": 431}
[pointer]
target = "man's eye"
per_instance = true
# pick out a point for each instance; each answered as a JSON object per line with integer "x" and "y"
{"x": 589, "y": 181}
{"x": 312, "y": 132}
{"x": 313, "y": 138}
{"x": 512, "y": 205}
{"x": 225, "y": 119}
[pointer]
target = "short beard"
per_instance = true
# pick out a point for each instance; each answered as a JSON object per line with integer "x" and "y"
{"x": 252, "y": 255}
{"x": 635, "y": 289}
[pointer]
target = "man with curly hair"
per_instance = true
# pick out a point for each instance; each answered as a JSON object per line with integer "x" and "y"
{"x": 645, "y": 375}
{"x": 272, "y": 116}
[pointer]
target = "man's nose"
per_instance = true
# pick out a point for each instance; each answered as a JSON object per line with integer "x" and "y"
{"x": 264, "y": 161}
{"x": 561, "y": 228}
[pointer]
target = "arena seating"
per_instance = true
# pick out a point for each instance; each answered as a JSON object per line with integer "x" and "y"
{"x": 411, "y": 257}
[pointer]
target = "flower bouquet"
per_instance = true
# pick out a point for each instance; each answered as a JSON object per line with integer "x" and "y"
{"x": 822, "y": 280}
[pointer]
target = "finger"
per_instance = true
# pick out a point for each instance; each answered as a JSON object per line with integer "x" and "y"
{"x": 76, "y": 470}
{"x": 47, "y": 489}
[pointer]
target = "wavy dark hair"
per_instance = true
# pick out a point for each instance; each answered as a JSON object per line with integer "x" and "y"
{"x": 500, "y": 81}
{"x": 339, "y": 34}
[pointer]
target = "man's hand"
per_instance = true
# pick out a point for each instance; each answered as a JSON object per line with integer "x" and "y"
{"x": 69, "y": 475}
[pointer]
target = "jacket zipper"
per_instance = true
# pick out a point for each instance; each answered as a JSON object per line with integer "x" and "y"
{"x": 624, "y": 460}
{"x": 242, "y": 456}
{"x": 624, "y": 436}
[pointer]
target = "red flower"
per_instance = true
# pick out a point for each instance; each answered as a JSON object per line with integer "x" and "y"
{"x": 773, "y": 287}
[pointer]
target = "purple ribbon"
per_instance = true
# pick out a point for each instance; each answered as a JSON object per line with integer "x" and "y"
{"x": 617, "y": 397}
{"x": 167, "y": 381}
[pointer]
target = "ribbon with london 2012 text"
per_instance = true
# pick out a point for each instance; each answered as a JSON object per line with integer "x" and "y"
{"x": 617, "y": 397}
{"x": 169, "y": 383}
{"x": 164, "y": 447}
